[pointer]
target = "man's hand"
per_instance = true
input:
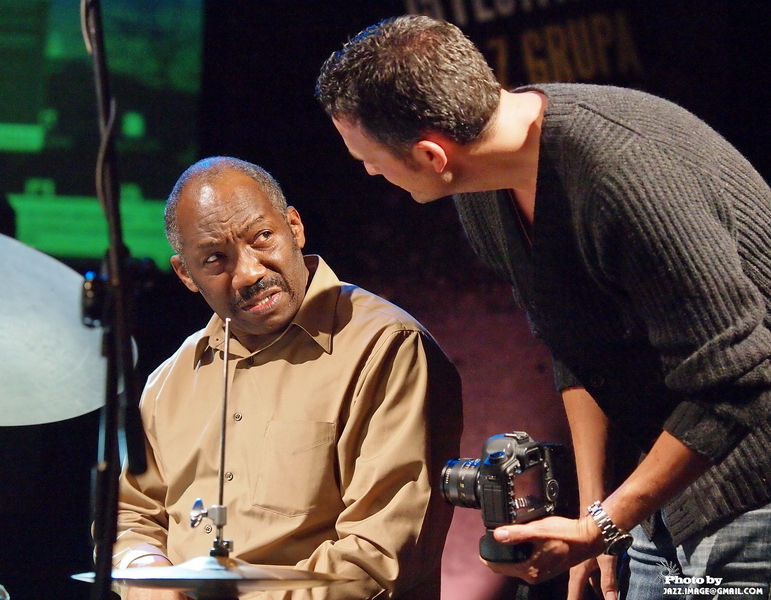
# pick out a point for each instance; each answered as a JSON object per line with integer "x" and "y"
{"x": 558, "y": 544}
{"x": 137, "y": 593}
{"x": 599, "y": 573}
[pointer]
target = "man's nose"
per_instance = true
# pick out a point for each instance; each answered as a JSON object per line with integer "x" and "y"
{"x": 371, "y": 170}
{"x": 248, "y": 270}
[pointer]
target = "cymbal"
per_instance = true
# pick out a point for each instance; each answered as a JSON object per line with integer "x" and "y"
{"x": 51, "y": 367}
{"x": 212, "y": 577}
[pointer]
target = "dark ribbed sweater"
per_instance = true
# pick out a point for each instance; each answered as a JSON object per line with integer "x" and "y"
{"x": 649, "y": 278}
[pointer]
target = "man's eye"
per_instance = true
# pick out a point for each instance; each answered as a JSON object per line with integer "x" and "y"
{"x": 214, "y": 258}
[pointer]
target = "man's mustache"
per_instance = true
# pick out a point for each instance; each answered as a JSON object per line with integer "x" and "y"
{"x": 248, "y": 294}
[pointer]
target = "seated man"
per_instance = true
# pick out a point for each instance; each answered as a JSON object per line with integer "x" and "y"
{"x": 343, "y": 409}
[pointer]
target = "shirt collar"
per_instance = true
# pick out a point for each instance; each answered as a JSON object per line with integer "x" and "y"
{"x": 316, "y": 316}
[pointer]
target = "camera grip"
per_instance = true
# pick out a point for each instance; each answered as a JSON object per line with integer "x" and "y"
{"x": 493, "y": 551}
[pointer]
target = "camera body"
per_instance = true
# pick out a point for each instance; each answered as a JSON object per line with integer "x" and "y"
{"x": 513, "y": 482}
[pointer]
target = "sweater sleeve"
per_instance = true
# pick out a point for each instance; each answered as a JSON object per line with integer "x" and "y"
{"x": 665, "y": 233}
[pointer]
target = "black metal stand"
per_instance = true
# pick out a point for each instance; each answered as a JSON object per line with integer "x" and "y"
{"x": 120, "y": 417}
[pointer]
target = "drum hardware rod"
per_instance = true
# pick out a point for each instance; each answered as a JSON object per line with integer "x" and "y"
{"x": 120, "y": 419}
{"x": 218, "y": 513}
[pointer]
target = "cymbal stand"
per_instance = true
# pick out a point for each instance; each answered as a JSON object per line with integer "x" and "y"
{"x": 120, "y": 416}
{"x": 218, "y": 512}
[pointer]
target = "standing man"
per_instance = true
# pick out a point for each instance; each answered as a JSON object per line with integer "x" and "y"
{"x": 638, "y": 242}
{"x": 343, "y": 409}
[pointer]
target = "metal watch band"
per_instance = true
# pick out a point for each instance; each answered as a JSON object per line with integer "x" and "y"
{"x": 617, "y": 541}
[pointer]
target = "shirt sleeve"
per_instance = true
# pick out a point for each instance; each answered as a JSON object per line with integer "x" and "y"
{"x": 142, "y": 517}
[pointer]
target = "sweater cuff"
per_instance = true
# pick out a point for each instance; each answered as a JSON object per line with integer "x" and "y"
{"x": 563, "y": 377}
{"x": 703, "y": 431}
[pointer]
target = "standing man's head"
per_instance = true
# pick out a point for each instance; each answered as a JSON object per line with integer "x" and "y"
{"x": 409, "y": 76}
{"x": 404, "y": 95}
{"x": 239, "y": 245}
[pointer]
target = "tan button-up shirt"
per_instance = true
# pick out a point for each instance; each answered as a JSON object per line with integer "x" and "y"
{"x": 336, "y": 436}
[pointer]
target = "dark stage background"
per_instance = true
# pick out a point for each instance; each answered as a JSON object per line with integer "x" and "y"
{"x": 260, "y": 60}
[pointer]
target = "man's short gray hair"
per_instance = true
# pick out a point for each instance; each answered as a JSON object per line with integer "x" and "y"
{"x": 208, "y": 170}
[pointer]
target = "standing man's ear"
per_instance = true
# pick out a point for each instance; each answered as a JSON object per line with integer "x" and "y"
{"x": 429, "y": 152}
{"x": 181, "y": 270}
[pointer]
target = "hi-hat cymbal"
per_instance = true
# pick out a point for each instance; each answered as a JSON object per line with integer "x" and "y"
{"x": 51, "y": 367}
{"x": 219, "y": 577}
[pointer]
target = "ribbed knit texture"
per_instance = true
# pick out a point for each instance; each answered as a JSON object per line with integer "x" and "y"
{"x": 650, "y": 280}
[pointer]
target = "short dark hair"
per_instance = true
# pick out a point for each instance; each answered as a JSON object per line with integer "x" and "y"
{"x": 208, "y": 170}
{"x": 407, "y": 76}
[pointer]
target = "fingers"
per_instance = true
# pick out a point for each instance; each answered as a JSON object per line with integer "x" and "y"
{"x": 576, "y": 587}
{"x": 608, "y": 579}
{"x": 504, "y": 534}
{"x": 558, "y": 544}
{"x": 547, "y": 561}
{"x": 599, "y": 573}
{"x": 528, "y": 571}
{"x": 542, "y": 529}
{"x": 587, "y": 572}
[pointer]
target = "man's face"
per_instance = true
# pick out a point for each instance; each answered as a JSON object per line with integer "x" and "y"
{"x": 242, "y": 255}
{"x": 420, "y": 181}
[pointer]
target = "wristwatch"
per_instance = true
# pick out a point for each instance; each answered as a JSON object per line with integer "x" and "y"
{"x": 617, "y": 541}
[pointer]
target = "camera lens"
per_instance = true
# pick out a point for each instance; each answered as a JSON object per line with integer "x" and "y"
{"x": 459, "y": 482}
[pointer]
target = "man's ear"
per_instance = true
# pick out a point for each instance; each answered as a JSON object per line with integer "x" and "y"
{"x": 181, "y": 270}
{"x": 296, "y": 225}
{"x": 431, "y": 152}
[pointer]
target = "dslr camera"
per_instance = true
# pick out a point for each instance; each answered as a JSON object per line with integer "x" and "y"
{"x": 513, "y": 482}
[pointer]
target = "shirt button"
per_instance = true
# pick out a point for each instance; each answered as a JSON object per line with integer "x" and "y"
{"x": 238, "y": 416}
{"x": 208, "y": 528}
{"x": 229, "y": 476}
{"x": 250, "y": 361}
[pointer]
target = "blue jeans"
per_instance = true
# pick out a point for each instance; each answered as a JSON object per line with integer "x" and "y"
{"x": 735, "y": 557}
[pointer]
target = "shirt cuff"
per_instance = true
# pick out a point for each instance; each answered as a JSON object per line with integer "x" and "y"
{"x": 124, "y": 558}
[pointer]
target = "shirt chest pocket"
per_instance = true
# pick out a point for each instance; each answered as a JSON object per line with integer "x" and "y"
{"x": 295, "y": 474}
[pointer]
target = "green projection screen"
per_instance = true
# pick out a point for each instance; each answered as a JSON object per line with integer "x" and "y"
{"x": 48, "y": 124}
